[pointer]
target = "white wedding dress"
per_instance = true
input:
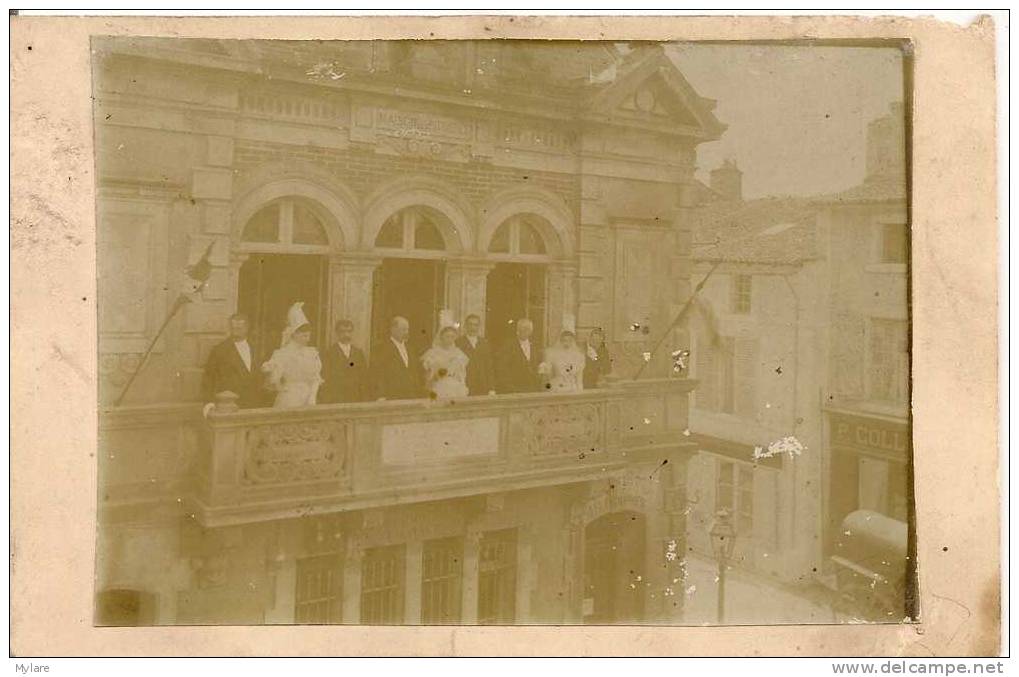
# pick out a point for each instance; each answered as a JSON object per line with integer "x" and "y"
{"x": 565, "y": 369}
{"x": 446, "y": 371}
{"x": 295, "y": 373}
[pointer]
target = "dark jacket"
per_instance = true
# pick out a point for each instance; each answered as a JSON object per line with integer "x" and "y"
{"x": 595, "y": 370}
{"x": 392, "y": 379}
{"x": 345, "y": 379}
{"x": 514, "y": 373}
{"x": 225, "y": 370}
{"x": 480, "y": 369}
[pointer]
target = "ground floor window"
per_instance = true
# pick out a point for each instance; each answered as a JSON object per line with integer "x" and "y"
{"x": 497, "y": 577}
{"x": 382, "y": 585}
{"x": 319, "y": 595}
{"x": 734, "y": 492}
{"x": 441, "y": 574}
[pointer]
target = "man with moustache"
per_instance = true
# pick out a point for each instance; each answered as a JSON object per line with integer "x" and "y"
{"x": 344, "y": 368}
{"x": 480, "y": 368}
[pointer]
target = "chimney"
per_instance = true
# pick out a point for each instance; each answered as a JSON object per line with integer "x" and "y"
{"x": 886, "y": 145}
{"x": 727, "y": 180}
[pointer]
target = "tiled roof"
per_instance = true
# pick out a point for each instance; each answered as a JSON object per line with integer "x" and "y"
{"x": 778, "y": 230}
{"x": 873, "y": 190}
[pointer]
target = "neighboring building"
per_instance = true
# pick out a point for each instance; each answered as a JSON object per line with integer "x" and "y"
{"x": 867, "y": 399}
{"x": 371, "y": 179}
{"x": 757, "y": 355}
{"x": 804, "y": 332}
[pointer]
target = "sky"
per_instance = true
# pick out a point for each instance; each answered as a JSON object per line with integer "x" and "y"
{"x": 797, "y": 115}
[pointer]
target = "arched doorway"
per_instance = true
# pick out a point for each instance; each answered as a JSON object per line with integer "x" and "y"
{"x": 517, "y": 284}
{"x": 615, "y": 572}
{"x": 411, "y": 280}
{"x": 286, "y": 245}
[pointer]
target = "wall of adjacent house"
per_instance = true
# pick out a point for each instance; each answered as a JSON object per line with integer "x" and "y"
{"x": 864, "y": 290}
{"x": 775, "y": 371}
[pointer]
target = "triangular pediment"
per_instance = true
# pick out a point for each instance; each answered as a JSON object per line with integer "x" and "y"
{"x": 650, "y": 90}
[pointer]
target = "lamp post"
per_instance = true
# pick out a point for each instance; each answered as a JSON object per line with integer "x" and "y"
{"x": 723, "y": 542}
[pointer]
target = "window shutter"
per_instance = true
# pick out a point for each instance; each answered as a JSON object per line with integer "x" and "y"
{"x": 700, "y": 483}
{"x": 706, "y": 395}
{"x": 746, "y": 376}
{"x": 766, "y": 516}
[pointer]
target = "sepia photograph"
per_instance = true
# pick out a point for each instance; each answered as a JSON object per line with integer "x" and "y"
{"x": 502, "y": 332}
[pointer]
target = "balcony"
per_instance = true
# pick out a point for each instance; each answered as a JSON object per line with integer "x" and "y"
{"x": 264, "y": 464}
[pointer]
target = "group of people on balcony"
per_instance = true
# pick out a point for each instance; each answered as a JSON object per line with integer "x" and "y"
{"x": 458, "y": 364}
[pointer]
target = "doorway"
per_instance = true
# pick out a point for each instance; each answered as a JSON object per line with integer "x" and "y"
{"x": 614, "y": 558}
{"x": 414, "y": 289}
{"x": 515, "y": 290}
{"x": 269, "y": 284}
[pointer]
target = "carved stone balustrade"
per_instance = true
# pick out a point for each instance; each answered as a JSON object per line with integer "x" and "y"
{"x": 263, "y": 464}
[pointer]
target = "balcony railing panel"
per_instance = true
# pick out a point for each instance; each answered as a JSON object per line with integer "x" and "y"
{"x": 262, "y": 464}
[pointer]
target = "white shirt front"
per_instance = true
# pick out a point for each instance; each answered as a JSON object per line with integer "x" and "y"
{"x": 473, "y": 340}
{"x": 345, "y": 349}
{"x": 402, "y": 348}
{"x": 244, "y": 350}
{"x": 525, "y": 346}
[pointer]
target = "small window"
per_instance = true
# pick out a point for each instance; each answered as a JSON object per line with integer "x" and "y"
{"x": 391, "y": 234}
{"x": 427, "y": 235}
{"x": 413, "y": 228}
{"x": 742, "y": 288}
{"x": 287, "y": 221}
{"x": 520, "y": 234}
{"x": 734, "y": 491}
{"x": 501, "y": 240}
{"x": 264, "y": 226}
{"x": 319, "y": 590}
{"x": 441, "y": 567}
{"x": 308, "y": 228}
{"x": 497, "y": 577}
{"x": 894, "y": 243}
{"x": 382, "y": 577}
{"x": 888, "y": 360}
{"x": 530, "y": 239}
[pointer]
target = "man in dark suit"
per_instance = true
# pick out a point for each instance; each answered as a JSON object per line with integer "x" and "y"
{"x": 344, "y": 369}
{"x": 480, "y": 369}
{"x": 598, "y": 362}
{"x": 516, "y": 365}
{"x": 396, "y": 371}
{"x": 232, "y": 365}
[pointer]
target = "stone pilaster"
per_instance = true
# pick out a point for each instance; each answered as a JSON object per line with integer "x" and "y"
{"x": 466, "y": 288}
{"x": 350, "y": 286}
{"x": 352, "y": 581}
{"x": 562, "y": 295}
{"x": 412, "y": 582}
{"x": 471, "y": 560}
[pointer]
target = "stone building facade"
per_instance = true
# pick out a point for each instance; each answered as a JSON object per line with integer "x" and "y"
{"x": 372, "y": 179}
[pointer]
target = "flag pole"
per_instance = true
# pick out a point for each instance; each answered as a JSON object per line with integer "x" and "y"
{"x": 181, "y": 301}
{"x": 679, "y": 317}
{"x": 199, "y": 274}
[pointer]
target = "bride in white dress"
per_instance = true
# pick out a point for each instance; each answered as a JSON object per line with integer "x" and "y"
{"x": 564, "y": 365}
{"x": 295, "y": 370}
{"x": 446, "y": 365}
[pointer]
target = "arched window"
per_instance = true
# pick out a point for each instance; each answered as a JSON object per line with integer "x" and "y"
{"x": 521, "y": 237}
{"x": 287, "y": 221}
{"x": 413, "y": 229}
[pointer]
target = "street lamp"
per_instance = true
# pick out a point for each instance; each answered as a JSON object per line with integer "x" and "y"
{"x": 723, "y": 542}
